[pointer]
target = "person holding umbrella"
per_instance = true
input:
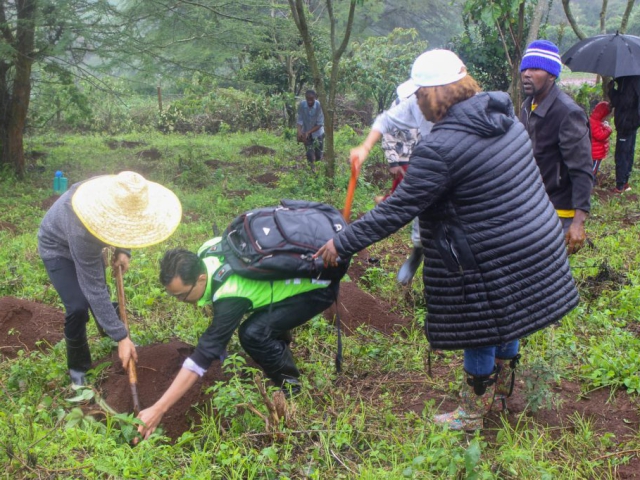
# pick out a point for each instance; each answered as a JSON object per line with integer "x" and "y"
{"x": 559, "y": 131}
{"x": 626, "y": 118}
{"x": 125, "y": 211}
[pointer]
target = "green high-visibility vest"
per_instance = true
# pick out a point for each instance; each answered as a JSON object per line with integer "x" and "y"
{"x": 260, "y": 292}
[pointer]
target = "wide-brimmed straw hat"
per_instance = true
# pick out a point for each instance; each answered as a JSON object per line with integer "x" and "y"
{"x": 126, "y": 210}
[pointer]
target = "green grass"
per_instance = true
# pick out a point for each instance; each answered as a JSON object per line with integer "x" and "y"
{"x": 337, "y": 429}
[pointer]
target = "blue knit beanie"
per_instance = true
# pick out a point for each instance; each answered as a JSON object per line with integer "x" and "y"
{"x": 544, "y": 55}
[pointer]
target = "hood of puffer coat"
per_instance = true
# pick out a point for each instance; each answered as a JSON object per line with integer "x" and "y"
{"x": 601, "y": 110}
{"x": 487, "y": 114}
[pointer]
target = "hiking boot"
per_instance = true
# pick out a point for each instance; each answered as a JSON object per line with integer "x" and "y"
{"x": 624, "y": 188}
{"x": 505, "y": 381}
{"x": 409, "y": 268}
{"x": 476, "y": 398}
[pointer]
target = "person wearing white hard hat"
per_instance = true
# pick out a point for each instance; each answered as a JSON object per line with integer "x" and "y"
{"x": 124, "y": 211}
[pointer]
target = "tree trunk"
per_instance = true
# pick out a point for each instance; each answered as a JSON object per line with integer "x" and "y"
{"x": 327, "y": 101}
{"x": 539, "y": 11}
{"x": 572, "y": 20}
{"x": 18, "y": 103}
{"x": 626, "y": 15}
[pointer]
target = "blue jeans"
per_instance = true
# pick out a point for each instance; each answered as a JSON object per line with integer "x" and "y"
{"x": 480, "y": 362}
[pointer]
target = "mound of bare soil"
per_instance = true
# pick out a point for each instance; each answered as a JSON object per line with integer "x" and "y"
{"x": 48, "y": 202}
{"x": 150, "y": 154}
{"x": 24, "y": 323}
{"x": 8, "y": 227}
{"x": 358, "y": 308}
{"x": 257, "y": 150}
{"x": 268, "y": 179}
{"x": 114, "y": 144}
{"x": 157, "y": 366}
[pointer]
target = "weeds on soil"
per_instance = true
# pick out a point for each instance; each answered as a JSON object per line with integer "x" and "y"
{"x": 369, "y": 422}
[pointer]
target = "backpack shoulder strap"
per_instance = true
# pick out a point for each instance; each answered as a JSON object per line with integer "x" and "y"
{"x": 223, "y": 272}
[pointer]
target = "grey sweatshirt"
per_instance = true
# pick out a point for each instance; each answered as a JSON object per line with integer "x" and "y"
{"x": 62, "y": 235}
{"x": 405, "y": 115}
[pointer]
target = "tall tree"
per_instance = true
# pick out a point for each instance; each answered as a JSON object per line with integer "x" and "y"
{"x": 624, "y": 20}
{"x": 514, "y": 22}
{"x": 59, "y": 35}
{"x": 327, "y": 99}
{"x": 18, "y": 25}
{"x": 377, "y": 65}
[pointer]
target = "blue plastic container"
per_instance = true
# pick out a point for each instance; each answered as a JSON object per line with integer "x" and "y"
{"x": 60, "y": 183}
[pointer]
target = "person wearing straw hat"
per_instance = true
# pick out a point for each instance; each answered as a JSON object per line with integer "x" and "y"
{"x": 495, "y": 268}
{"x": 124, "y": 211}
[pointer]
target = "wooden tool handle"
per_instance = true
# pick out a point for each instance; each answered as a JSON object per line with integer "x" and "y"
{"x": 122, "y": 308}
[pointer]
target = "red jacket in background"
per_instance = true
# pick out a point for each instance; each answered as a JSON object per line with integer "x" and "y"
{"x": 600, "y": 131}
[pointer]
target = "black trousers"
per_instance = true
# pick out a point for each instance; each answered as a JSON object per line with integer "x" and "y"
{"x": 262, "y": 334}
{"x": 625, "y": 150}
{"x": 63, "y": 276}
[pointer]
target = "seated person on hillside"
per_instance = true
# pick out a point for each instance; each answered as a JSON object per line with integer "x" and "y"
{"x": 274, "y": 308}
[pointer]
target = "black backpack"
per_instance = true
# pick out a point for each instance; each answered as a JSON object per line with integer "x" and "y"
{"x": 278, "y": 243}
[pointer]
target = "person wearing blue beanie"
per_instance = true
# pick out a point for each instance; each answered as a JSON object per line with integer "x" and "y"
{"x": 559, "y": 131}
{"x": 544, "y": 55}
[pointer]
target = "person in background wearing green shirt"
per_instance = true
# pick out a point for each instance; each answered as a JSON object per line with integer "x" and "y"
{"x": 274, "y": 308}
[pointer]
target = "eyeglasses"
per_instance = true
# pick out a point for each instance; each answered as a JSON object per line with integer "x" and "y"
{"x": 182, "y": 296}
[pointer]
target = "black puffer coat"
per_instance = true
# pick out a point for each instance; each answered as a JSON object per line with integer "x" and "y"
{"x": 495, "y": 263}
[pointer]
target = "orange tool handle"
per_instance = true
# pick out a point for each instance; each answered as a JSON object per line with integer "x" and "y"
{"x": 355, "y": 171}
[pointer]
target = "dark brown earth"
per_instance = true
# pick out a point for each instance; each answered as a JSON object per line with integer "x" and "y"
{"x": 257, "y": 150}
{"x": 150, "y": 154}
{"x": 115, "y": 144}
{"x": 8, "y": 227}
{"x": 48, "y": 202}
{"x": 23, "y": 323}
{"x": 157, "y": 366}
{"x": 268, "y": 179}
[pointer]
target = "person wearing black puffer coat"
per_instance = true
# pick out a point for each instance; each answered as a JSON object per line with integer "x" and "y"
{"x": 495, "y": 266}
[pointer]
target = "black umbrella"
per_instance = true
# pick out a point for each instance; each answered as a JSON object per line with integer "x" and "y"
{"x": 612, "y": 55}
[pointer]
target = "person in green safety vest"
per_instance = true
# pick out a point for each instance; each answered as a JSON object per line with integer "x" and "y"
{"x": 274, "y": 308}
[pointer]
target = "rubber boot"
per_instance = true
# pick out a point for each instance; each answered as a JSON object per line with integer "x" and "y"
{"x": 409, "y": 268}
{"x": 286, "y": 378}
{"x": 78, "y": 360}
{"x": 476, "y": 398}
{"x": 505, "y": 380}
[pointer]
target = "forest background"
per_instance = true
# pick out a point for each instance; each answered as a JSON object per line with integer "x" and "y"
{"x": 201, "y": 96}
